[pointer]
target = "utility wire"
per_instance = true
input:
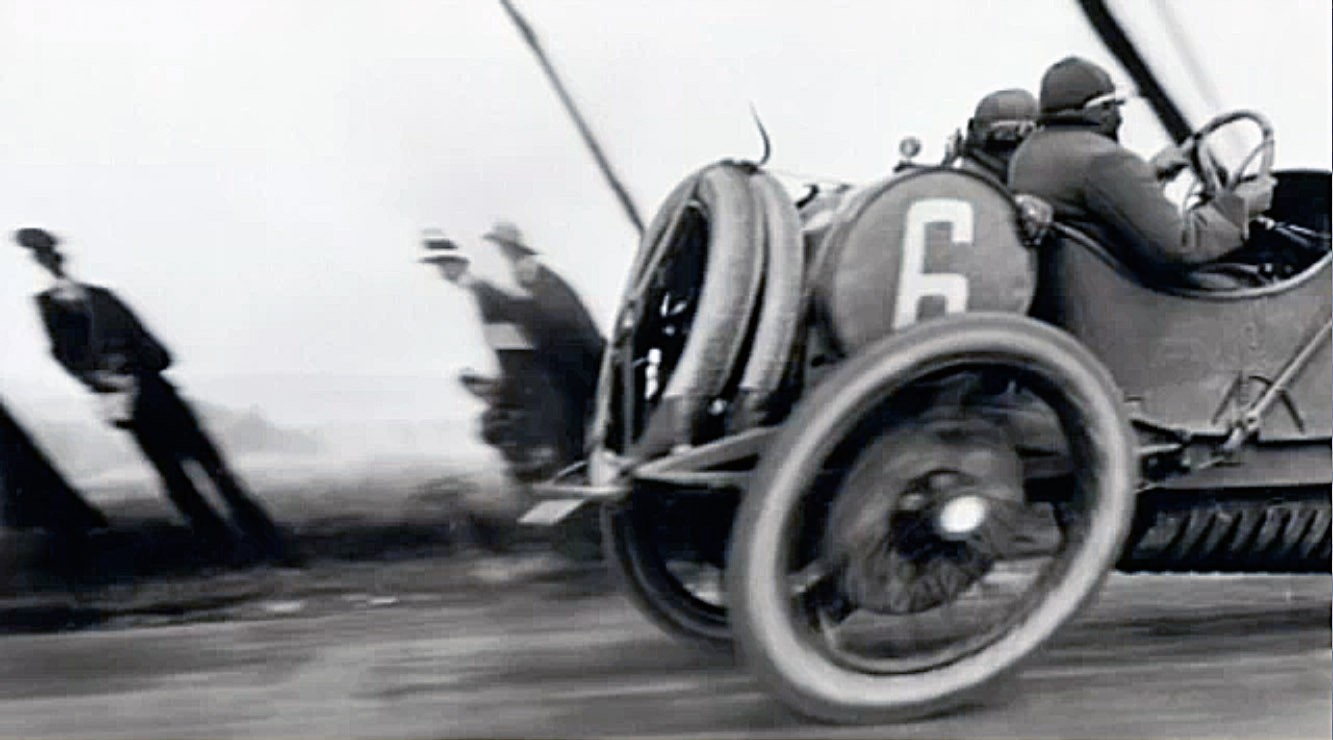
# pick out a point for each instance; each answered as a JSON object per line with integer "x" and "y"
{"x": 1113, "y": 35}
{"x": 1192, "y": 64}
{"x": 1196, "y": 70}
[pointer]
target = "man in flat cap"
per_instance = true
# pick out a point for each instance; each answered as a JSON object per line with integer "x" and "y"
{"x": 102, "y": 344}
{"x": 1075, "y": 162}
{"x": 1000, "y": 123}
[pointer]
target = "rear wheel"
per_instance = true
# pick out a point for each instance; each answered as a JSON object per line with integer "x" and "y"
{"x": 685, "y": 321}
{"x": 661, "y": 568}
{"x": 889, "y": 561}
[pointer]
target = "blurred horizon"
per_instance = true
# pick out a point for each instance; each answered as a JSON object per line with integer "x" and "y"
{"x": 262, "y": 448}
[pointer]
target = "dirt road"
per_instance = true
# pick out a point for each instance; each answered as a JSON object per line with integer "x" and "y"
{"x": 411, "y": 655}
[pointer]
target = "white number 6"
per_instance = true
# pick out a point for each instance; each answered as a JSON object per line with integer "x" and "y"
{"x": 914, "y": 283}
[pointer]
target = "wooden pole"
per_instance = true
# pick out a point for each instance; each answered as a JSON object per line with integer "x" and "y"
{"x": 530, "y": 37}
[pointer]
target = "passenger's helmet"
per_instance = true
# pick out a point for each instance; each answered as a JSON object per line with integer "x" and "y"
{"x": 1002, "y": 120}
{"x": 36, "y": 239}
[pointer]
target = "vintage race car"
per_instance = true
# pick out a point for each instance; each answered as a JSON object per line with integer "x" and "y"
{"x": 886, "y": 441}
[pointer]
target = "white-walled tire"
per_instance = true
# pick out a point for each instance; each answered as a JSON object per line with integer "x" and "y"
{"x": 773, "y": 630}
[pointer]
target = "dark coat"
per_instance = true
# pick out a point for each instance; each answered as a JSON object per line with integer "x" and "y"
{"x": 564, "y": 331}
{"x": 991, "y": 166}
{"x": 547, "y": 385}
{"x": 531, "y": 417}
{"x": 100, "y": 334}
{"x": 1113, "y": 195}
{"x": 497, "y": 306}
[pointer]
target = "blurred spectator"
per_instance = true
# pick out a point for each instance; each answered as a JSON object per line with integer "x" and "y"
{"x": 524, "y": 414}
{"x": 565, "y": 336}
{"x": 100, "y": 341}
{"x": 33, "y": 494}
{"x": 549, "y": 352}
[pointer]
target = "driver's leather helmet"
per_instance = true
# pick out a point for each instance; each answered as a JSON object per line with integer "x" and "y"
{"x": 1074, "y": 90}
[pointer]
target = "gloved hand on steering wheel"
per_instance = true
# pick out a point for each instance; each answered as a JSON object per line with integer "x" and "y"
{"x": 1240, "y": 195}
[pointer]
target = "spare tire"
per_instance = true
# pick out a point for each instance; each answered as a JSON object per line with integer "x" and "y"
{"x": 779, "y": 307}
{"x": 706, "y": 247}
{"x": 692, "y": 294}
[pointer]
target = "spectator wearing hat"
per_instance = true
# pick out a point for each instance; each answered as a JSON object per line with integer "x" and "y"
{"x": 569, "y": 346}
{"x": 549, "y": 352}
{"x": 566, "y": 336}
{"x": 100, "y": 341}
{"x": 1000, "y": 123}
{"x": 523, "y": 418}
{"x": 1075, "y": 162}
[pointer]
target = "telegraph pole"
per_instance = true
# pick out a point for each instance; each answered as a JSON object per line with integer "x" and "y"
{"x": 530, "y": 37}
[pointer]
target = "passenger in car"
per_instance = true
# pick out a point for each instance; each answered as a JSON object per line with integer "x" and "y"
{"x": 1002, "y": 120}
{"x": 1075, "y": 162}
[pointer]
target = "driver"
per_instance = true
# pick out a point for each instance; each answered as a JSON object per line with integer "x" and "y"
{"x": 1076, "y": 163}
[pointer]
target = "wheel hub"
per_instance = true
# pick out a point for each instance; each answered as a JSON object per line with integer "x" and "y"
{"x": 924, "y": 513}
{"x": 960, "y": 517}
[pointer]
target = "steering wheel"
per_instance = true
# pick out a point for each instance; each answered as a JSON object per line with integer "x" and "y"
{"x": 1212, "y": 178}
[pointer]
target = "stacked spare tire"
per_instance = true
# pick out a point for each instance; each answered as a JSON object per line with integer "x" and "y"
{"x": 712, "y": 304}
{"x": 702, "y": 347}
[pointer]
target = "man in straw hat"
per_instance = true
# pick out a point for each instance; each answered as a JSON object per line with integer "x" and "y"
{"x": 549, "y": 352}
{"x": 518, "y": 420}
{"x": 102, "y": 344}
{"x": 566, "y": 336}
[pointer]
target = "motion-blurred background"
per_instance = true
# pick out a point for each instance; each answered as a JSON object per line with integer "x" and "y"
{"x": 253, "y": 176}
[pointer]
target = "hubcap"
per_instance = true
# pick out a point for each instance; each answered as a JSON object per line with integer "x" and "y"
{"x": 926, "y": 512}
{"x": 960, "y": 516}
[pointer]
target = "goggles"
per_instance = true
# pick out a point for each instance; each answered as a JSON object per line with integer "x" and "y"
{"x": 1115, "y": 97}
{"x": 1010, "y": 130}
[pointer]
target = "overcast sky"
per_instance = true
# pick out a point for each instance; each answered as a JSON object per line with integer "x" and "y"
{"x": 252, "y": 175}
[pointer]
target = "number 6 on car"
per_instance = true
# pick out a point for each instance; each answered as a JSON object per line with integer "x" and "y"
{"x": 925, "y": 244}
{"x": 914, "y": 283}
